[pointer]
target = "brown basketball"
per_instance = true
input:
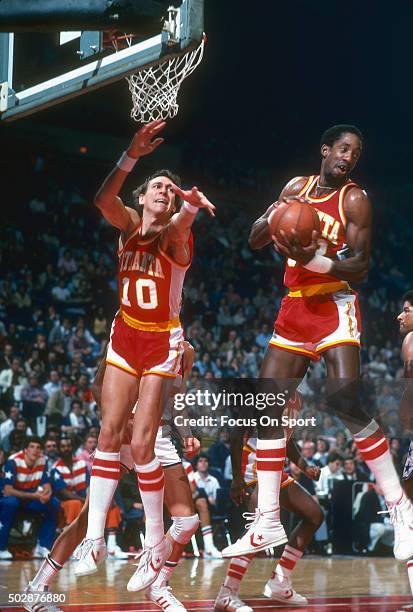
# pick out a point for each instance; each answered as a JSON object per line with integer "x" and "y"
{"x": 295, "y": 215}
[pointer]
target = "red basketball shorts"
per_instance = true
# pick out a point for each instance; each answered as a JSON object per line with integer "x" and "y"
{"x": 311, "y": 325}
{"x": 145, "y": 352}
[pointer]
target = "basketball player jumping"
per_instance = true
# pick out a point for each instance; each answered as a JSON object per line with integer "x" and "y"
{"x": 320, "y": 316}
{"x": 178, "y": 500}
{"x": 145, "y": 346}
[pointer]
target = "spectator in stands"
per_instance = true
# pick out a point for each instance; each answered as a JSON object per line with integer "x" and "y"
{"x": 67, "y": 262}
{"x": 374, "y": 528}
{"x": 220, "y": 450}
{"x": 51, "y": 453}
{"x": 70, "y": 479}
{"x": 7, "y": 357}
{"x": 26, "y": 481}
{"x": 61, "y": 292}
{"x": 85, "y": 452}
{"x": 53, "y": 384}
{"x": 307, "y": 451}
{"x": 15, "y": 439}
{"x": 75, "y": 422}
{"x": 79, "y": 345}
{"x": 204, "y": 480}
{"x": 321, "y": 454}
{"x": 350, "y": 471}
{"x": 7, "y": 426}
{"x": 60, "y": 402}
{"x": 12, "y": 380}
{"x": 328, "y": 473}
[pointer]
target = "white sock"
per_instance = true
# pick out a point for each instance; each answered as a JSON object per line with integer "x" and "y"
{"x": 111, "y": 541}
{"x": 410, "y": 573}
{"x": 165, "y": 574}
{"x": 270, "y": 465}
{"x": 207, "y": 536}
{"x": 104, "y": 479}
{"x": 46, "y": 573}
{"x": 287, "y": 562}
{"x": 236, "y": 571}
{"x": 151, "y": 482}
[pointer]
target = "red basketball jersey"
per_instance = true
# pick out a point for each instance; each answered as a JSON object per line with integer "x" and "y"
{"x": 333, "y": 233}
{"x": 149, "y": 281}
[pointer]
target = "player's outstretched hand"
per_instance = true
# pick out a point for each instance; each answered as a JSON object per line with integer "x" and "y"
{"x": 145, "y": 140}
{"x": 192, "y": 446}
{"x": 292, "y": 248}
{"x": 195, "y": 198}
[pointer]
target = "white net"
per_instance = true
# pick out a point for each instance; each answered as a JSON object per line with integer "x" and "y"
{"x": 154, "y": 90}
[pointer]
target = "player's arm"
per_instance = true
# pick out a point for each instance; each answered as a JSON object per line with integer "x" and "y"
{"x": 10, "y": 491}
{"x": 358, "y": 212}
{"x": 260, "y": 234}
{"x": 175, "y": 238}
{"x": 107, "y": 198}
{"x": 406, "y": 404}
{"x": 294, "y": 455}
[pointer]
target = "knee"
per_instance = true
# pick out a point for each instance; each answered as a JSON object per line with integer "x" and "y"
{"x": 10, "y": 503}
{"x": 183, "y": 528}
{"x": 316, "y": 519}
{"x": 142, "y": 449}
{"x": 109, "y": 438}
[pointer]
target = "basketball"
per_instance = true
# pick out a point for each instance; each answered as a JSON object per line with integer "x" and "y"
{"x": 296, "y": 215}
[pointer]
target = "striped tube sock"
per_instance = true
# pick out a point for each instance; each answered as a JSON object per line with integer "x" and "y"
{"x": 375, "y": 451}
{"x": 47, "y": 571}
{"x": 207, "y": 536}
{"x": 270, "y": 465}
{"x": 409, "y": 565}
{"x": 151, "y": 482}
{"x": 287, "y": 562}
{"x": 104, "y": 478}
{"x": 236, "y": 571}
{"x": 165, "y": 573}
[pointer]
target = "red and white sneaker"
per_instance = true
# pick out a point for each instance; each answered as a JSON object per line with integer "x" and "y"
{"x": 283, "y": 592}
{"x": 264, "y": 531}
{"x": 401, "y": 515}
{"x": 228, "y": 601}
{"x": 163, "y": 597}
{"x": 91, "y": 553}
{"x": 152, "y": 560}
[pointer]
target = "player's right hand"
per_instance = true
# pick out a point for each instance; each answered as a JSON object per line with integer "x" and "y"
{"x": 142, "y": 143}
{"x": 238, "y": 491}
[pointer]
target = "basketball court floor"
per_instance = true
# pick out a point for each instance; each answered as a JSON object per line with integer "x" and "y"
{"x": 330, "y": 584}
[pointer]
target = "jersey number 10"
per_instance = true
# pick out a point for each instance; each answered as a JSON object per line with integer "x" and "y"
{"x": 141, "y": 296}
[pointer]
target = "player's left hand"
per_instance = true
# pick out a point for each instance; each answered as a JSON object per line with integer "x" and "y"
{"x": 195, "y": 198}
{"x": 312, "y": 472}
{"x": 293, "y": 249}
{"x": 192, "y": 446}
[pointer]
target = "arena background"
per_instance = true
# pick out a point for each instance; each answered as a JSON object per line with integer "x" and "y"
{"x": 273, "y": 78}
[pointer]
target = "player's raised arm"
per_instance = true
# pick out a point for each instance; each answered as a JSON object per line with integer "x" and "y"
{"x": 107, "y": 199}
{"x": 260, "y": 234}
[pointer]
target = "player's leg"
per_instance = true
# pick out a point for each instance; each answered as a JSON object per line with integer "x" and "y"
{"x": 343, "y": 366}
{"x": 119, "y": 393}
{"x": 185, "y": 522}
{"x": 202, "y": 509}
{"x": 285, "y": 369}
{"x": 297, "y": 500}
{"x": 153, "y": 393}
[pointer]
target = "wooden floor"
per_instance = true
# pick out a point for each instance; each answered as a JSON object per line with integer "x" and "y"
{"x": 331, "y": 584}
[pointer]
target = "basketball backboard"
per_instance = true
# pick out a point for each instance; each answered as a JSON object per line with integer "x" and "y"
{"x": 69, "y": 64}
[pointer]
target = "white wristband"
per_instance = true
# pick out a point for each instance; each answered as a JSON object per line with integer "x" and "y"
{"x": 126, "y": 163}
{"x": 320, "y": 264}
{"x": 192, "y": 210}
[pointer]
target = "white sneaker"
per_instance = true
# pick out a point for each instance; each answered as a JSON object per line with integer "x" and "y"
{"x": 39, "y": 605}
{"x": 5, "y": 555}
{"x": 283, "y": 592}
{"x": 401, "y": 515}
{"x": 264, "y": 531}
{"x": 229, "y": 601}
{"x": 91, "y": 553}
{"x": 212, "y": 553}
{"x": 117, "y": 553}
{"x": 41, "y": 552}
{"x": 152, "y": 560}
{"x": 162, "y": 597}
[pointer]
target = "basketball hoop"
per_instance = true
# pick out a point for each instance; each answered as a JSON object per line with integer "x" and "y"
{"x": 155, "y": 89}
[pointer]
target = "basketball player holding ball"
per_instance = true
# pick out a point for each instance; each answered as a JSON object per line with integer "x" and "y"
{"x": 320, "y": 317}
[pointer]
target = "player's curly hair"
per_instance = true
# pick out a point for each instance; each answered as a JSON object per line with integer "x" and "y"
{"x": 335, "y": 132}
{"x": 408, "y": 297}
{"x": 142, "y": 189}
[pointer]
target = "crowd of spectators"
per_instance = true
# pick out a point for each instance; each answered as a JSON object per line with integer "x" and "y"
{"x": 58, "y": 295}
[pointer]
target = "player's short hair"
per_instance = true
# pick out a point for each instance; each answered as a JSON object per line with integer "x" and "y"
{"x": 408, "y": 297}
{"x": 335, "y": 132}
{"x": 143, "y": 188}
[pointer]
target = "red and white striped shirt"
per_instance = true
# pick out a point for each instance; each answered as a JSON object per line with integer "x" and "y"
{"x": 24, "y": 478}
